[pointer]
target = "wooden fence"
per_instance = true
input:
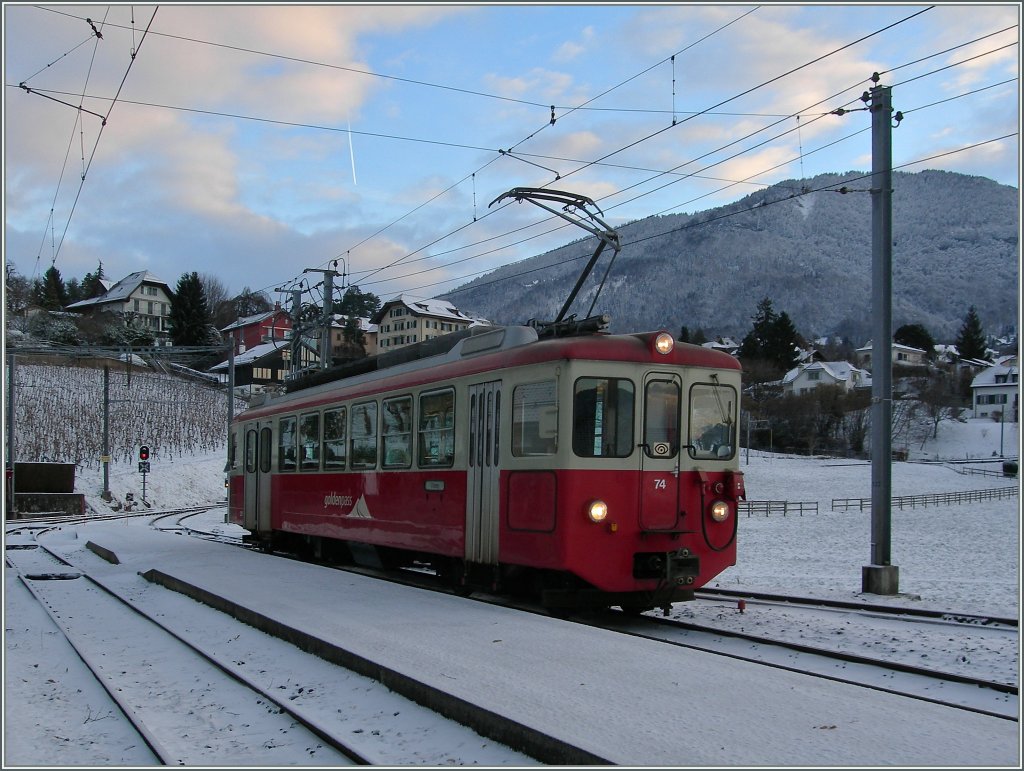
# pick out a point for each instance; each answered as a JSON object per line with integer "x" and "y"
{"x": 783, "y": 508}
{"x": 932, "y": 499}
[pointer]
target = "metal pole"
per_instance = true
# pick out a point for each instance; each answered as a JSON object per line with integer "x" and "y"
{"x": 325, "y": 344}
{"x": 106, "y": 433}
{"x": 10, "y": 430}
{"x": 881, "y": 577}
{"x": 296, "y": 329}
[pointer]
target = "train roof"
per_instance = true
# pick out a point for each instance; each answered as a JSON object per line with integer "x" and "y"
{"x": 489, "y": 350}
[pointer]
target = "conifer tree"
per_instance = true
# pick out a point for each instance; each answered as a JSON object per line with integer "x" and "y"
{"x": 189, "y": 318}
{"x": 970, "y": 343}
{"x": 92, "y": 284}
{"x": 772, "y": 340}
{"x": 50, "y": 292}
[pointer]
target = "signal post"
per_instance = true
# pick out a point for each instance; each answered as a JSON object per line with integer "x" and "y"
{"x": 144, "y": 469}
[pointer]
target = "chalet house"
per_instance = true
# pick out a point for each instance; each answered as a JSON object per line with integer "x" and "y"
{"x": 804, "y": 378}
{"x": 257, "y": 368}
{"x": 902, "y": 356}
{"x": 996, "y": 392}
{"x": 251, "y": 331}
{"x": 404, "y": 320}
{"x": 140, "y": 294}
{"x": 339, "y": 346}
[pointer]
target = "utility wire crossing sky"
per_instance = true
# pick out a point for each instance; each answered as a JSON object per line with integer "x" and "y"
{"x": 253, "y": 142}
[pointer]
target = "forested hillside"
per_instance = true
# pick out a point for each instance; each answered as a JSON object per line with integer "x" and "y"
{"x": 955, "y": 244}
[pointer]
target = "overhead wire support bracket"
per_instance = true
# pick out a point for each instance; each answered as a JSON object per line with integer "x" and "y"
{"x": 574, "y": 210}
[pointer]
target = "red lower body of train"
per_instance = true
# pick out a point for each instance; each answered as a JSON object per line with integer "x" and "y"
{"x": 592, "y": 472}
{"x": 547, "y": 543}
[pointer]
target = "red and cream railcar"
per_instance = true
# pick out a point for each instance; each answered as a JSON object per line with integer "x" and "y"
{"x": 599, "y": 469}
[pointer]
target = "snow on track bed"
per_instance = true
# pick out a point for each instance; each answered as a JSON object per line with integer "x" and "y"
{"x": 188, "y": 711}
{"x": 383, "y": 727}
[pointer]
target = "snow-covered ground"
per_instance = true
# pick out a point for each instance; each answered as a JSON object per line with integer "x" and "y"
{"x": 958, "y": 557}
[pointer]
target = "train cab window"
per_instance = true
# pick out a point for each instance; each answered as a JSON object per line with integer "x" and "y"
{"x": 437, "y": 430}
{"x": 661, "y": 418}
{"x": 602, "y": 418}
{"x": 335, "y": 447}
{"x": 287, "y": 439}
{"x": 309, "y": 441}
{"x": 397, "y": 432}
{"x": 364, "y": 435}
{"x": 535, "y": 419}
{"x": 250, "y": 451}
{"x": 712, "y": 425}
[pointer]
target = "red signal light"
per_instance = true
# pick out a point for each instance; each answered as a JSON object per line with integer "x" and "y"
{"x": 144, "y": 452}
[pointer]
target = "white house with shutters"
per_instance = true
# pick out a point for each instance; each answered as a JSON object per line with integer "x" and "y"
{"x": 996, "y": 392}
{"x": 140, "y": 294}
{"x": 804, "y": 378}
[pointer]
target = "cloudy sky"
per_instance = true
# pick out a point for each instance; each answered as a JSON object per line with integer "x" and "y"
{"x": 253, "y": 142}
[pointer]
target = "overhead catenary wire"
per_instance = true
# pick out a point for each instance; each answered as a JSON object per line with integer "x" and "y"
{"x": 821, "y": 115}
{"x": 719, "y": 104}
{"x": 832, "y": 187}
{"x": 99, "y": 135}
{"x": 705, "y": 112}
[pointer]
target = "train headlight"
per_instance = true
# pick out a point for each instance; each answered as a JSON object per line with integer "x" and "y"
{"x": 664, "y": 343}
{"x": 597, "y": 511}
{"x": 719, "y": 511}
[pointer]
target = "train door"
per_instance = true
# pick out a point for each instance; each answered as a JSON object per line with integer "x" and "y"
{"x": 659, "y": 452}
{"x": 257, "y": 446}
{"x": 483, "y": 473}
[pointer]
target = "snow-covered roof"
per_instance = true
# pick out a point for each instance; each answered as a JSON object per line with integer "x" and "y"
{"x": 423, "y": 307}
{"x": 251, "y": 355}
{"x": 987, "y": 377}
{"x": 895, "y": 347}
{"x": 840, "y": 371}
{"x": 364, "y": 323}
{"x": 256, "y": 318}
{"x": 123, "y": 289}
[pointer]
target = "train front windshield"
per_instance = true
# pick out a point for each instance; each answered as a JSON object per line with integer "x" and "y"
{"x": 712, "y": 427}
{"x": 603, "y": 410}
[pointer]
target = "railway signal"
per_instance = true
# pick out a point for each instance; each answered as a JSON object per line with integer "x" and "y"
{"x": 144, "y": 467}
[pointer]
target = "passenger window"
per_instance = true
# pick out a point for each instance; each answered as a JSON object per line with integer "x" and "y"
{"x": 437, "y": 430}
{"x": 535, "y": 419}
{"x": 286, "y": 443}
{"x": 309, "y": 441}
{"x": 364, "y": 435}
{"x": 335, "y": 448}
{"x": 712, "y": 425}
{"x": 397, "y": 431}
{"x": 602, "y": 423}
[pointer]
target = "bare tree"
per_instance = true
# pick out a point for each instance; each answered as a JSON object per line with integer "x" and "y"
{"x": 216, "y": 295}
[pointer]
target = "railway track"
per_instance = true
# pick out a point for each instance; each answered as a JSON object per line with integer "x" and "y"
{"x": 993, "y": 698}
{"x": 184, "y": 703}
{"x": 922, "y": 614}
{"x": 954, "y": 689}
{"x": 233, "y": 695}
{"x": 998, "y": 699}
